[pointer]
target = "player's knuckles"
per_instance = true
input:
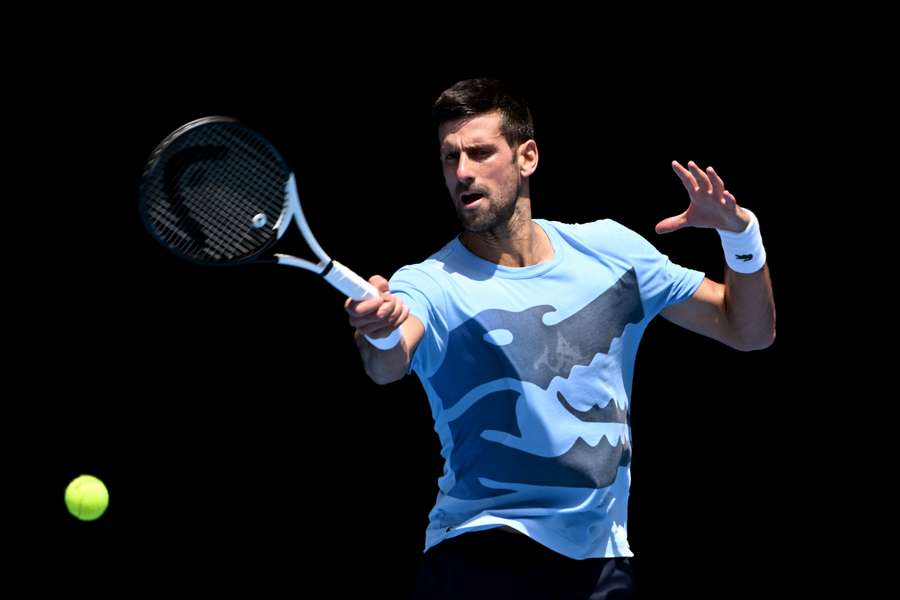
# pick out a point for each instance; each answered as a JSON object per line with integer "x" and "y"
{"x": 369, "y": 306}
{"x": 386, "y": 310}
{"x": 379, "y": 282}
{"x": 396, "y": 314}
{"x": 398, "y": 308}
{"x": 355, "y": 306}
{"x": 363, "y": 321}
{"x": 355, "y": 313}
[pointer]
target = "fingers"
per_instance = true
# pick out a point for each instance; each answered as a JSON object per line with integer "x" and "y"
{"x": 704, "y": 187}
{"x": 391, "y": 311}
{"x": 686, "y": 178}
{"x": 381, "y": 284}
{"x": 389, "y": 303}
{"x": 364, "y": 314}
{"x": 719, "y": 191}
{"x": 672, "y": 223}
{"x": 362, "y": 308}
{"x": 718, "y": 186}
{"x": 377, "y": 330}
{"x": 696, "y": 180}
{"x": 377, "y": 317}
{"x": 700, "y": 177}
{"x": 358, "y": 308}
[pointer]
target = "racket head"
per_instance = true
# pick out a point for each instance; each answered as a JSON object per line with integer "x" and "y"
{"x": 213, "y": 192}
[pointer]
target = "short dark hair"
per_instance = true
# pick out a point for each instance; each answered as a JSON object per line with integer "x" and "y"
{"x": 472, "y": 97}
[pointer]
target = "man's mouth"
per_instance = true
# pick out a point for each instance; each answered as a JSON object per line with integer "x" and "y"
{"x": 470, "y": 199}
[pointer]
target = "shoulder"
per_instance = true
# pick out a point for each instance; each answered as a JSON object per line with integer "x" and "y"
{"x": 590, "y": 229}
{"x": 430, "y": 268}
{"x": 425, "y": 281}
{"x": 603, "y": 235}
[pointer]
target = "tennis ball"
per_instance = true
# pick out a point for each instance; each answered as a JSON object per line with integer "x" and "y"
{"x": 87, "y": 497}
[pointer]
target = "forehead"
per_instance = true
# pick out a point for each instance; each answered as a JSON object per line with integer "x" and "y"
{"x": 467, "y": 131}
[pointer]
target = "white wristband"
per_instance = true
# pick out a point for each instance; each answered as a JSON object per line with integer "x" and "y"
{"x": 744, "y": 252}
{"x": 386, "y": 343}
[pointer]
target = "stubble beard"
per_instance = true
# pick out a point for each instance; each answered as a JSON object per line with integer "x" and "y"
{"x": 491, "y": 219}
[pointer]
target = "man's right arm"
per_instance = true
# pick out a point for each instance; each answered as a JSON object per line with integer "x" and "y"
{"x": 388, "y": 366}
{"x": 377, "y": 318}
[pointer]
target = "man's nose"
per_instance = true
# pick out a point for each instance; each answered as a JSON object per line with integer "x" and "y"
{"x": 463, "y": 168}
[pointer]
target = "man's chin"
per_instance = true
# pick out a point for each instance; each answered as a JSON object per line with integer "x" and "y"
{"x": 474, "y": 225}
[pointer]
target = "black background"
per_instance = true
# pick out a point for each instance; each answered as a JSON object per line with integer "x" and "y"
{"x": 227, "y": 409}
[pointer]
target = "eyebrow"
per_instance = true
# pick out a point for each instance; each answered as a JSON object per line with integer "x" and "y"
{"x": 470, "y": 147}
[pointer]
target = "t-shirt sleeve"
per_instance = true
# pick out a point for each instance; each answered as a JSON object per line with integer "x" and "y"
{"x": 425, "y": 298}
{"x": 662, "y": 282}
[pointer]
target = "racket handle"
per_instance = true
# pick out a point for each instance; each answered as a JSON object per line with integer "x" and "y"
{"x": 358, "y": 288}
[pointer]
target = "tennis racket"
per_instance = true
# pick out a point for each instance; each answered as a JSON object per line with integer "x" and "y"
{"x": 215, "y": 192}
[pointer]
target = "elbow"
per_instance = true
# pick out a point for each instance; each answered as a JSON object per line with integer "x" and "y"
{"x": 759, "y": 343}
{"x": 384, "y": 380}
{"x": 758, "y": 336}
{"x": 384, "y": 377}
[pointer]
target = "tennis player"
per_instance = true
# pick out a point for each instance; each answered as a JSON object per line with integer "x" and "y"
{"x": 523, "y": 332}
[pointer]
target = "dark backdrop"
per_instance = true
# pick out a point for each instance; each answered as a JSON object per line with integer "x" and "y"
{"x": 227, "y": 410}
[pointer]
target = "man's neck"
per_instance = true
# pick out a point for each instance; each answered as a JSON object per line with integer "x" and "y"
{"x": 519, "y": 243}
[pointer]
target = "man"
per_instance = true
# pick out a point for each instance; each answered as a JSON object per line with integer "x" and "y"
{"x": 523, "y": 333}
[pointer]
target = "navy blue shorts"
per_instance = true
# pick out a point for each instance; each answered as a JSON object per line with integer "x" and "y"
{"x": 498, "y": 564}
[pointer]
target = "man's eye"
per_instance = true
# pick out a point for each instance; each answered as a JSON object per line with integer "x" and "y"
{"x": 452, "y": 156}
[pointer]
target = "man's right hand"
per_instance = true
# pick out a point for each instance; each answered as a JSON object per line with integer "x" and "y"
{"x": 377, "y": 317}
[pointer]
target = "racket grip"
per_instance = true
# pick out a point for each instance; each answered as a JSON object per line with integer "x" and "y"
{"x": 358, "y": 288}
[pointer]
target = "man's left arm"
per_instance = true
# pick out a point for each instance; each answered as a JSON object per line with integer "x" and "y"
{"x": 740, "y": 312}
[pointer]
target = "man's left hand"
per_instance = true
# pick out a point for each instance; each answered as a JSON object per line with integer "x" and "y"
{"x": 712, "y": 206}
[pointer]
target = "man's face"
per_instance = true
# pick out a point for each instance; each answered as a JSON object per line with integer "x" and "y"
{"x": 481, "y": 171}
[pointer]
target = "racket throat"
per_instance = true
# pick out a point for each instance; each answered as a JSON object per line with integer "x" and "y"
{"x": 292, "y": 261}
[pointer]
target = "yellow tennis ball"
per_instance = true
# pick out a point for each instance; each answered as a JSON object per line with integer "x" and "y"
{"x": 87, "y": 497}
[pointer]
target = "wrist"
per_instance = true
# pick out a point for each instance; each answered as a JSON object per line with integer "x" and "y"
{"x": 744, "y": 251}
{"x": 742, "y": 220}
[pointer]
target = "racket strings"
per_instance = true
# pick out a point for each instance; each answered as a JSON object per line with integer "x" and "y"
{"x": 216, "y": 193}
{"x": 225, "y": 199}
{"x": 208, "y": 220}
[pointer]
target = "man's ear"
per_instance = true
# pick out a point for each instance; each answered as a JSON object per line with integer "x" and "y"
{"x": 527, "y": 154}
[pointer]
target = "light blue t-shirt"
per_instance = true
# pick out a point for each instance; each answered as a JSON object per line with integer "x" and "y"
{"x": 528, "y": 373}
